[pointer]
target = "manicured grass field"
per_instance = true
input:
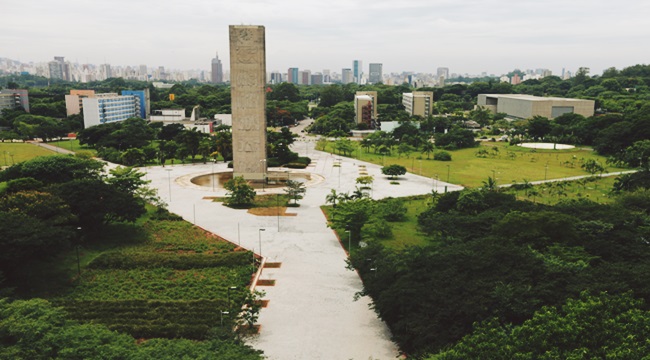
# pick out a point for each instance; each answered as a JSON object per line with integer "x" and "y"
{"x": 12, "y": 153}
{"x": 73, "y": 145}
{"x": 508, "y": 164}
{"x": 595, "y": 189}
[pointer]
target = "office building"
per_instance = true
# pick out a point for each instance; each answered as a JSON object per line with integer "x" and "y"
{"x": 74, "y": 103}
{"x": 105, "y": 71}
{"x": 346, "y": 76}
{"x": 14, "y": 99}
{"x": 108, "y": 108}
{"x": 518, "y": 106}
{"x": 418, "y": 103}
{"x": 357, "y": 70}
{"x": 292, "y": 76}
{"x": 375, "y": 75}
{"x": 217, "y": 71}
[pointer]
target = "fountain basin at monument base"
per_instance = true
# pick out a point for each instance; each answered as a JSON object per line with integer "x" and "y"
{"x": 275, "y": 179}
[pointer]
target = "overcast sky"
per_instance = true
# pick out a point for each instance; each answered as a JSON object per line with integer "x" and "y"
{"x": 467, "y": 36}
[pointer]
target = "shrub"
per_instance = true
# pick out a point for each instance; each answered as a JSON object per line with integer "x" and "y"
{"x": 124, "y": 261}
{"x": 442, "y": 156}
{"x": 295, "y": 165}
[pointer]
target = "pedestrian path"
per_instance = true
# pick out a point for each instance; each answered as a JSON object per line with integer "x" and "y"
{"x": 311, "y": 312}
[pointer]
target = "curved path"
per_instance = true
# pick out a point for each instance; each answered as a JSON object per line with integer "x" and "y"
{"x": 311, "y": 312}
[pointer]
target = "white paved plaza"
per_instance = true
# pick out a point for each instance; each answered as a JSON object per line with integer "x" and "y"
{"x": 311, "y": 312}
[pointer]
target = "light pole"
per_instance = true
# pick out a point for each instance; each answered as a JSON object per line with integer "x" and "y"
{"x": 263, "y": 161}
{"x": 222, "y": 314}
{"x": 545, "y": 171}
{"x": 77, "y": 248}
{"x": 212, "y": 174}
{"x": 494, "y": 176}
{"x": 230, "y": 288}
{"x": 260, "y": 239}
{"x": 169, "y": 183}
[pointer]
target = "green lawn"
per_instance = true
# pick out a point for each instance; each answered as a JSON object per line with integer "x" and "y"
{"x": 11, "y": 153}
{"x": 510, "y": 164}
{"x": 596, "y": 189}
{"x": 73, "y": 145}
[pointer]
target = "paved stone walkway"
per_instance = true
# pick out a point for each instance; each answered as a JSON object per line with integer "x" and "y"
{"x": 311, "y": 312}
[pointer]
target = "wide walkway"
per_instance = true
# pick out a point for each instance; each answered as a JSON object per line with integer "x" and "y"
{"x": 311, "y": 312}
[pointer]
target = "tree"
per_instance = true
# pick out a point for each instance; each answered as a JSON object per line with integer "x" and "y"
{"x": 539, "y": 127}
{"x": 295, "y": 190}
{"x": 285, "y": 91}
{"x": 427, "y": 147}
{"x": 54, "y": 169}
{"x": 332, "y": 198}
{"x": 365, "y": 181}
{"x": 592, "y": 166}
{"x": 95, "y": 202}
{"x": 352, "y": 215}
{"x": 591, "y": 327}
{"x": 393, "y": 171}
{"x": 240, "y": 193}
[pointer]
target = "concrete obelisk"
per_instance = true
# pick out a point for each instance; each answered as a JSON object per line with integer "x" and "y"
{"x": 247, "y": 86}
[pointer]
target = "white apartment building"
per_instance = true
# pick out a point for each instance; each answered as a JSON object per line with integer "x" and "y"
{"x": 108, "y": 108}
{"x": 418, "y": 103}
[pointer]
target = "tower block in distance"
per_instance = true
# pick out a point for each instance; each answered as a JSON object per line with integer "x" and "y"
{"x": 247, "y": 84}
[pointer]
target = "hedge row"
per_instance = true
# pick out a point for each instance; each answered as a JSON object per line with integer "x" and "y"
{"x": 125, "y": 261}
{"x": 149, "y": 319}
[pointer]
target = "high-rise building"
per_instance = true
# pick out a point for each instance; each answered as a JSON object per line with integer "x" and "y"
{"x": 375, "y": 74}
{"x": 217, "y": 70}
{"x": 14, "y": 99}
{"x": 317, "y": 79}
{"x": 292, "y": 76}
{"x": 346, "y": 76}
{"x": 105, "y": 70}
{"x": 357, "y": 70}
{"x": 276, "y": 77}
{"x": 327, "y": 78}
{"x": 443, "y": 72}
{"x": 59, "y": 69}
{"x": 305, "y": 77}
{"x": 418, "y": 103}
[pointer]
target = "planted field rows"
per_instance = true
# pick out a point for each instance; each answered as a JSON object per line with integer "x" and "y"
{"x": 149, "y": 319}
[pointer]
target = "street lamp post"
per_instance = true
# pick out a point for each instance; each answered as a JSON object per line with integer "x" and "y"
{"x": 222, "y": 314}
{"x": 212, "y": 174}
{"x": 545, "y": 171}
{"x": 230, "y": 288}
{"x": 169, "y": 183}
{"x": 77, "y": 248}
{"x": 260, "y": 239}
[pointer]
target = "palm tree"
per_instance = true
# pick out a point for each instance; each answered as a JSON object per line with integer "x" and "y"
{"x": 490, "y": 184}
{"x": 427, "y": 147}
{"x": 332, "y": 198}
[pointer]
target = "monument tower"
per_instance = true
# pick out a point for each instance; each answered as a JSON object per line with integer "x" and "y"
{"x": 247, "y": 86}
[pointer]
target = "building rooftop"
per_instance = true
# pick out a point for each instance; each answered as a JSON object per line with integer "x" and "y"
{"x": 530, "y": 97}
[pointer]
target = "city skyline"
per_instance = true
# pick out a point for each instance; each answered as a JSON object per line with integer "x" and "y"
{"x": 466, "y": 36}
